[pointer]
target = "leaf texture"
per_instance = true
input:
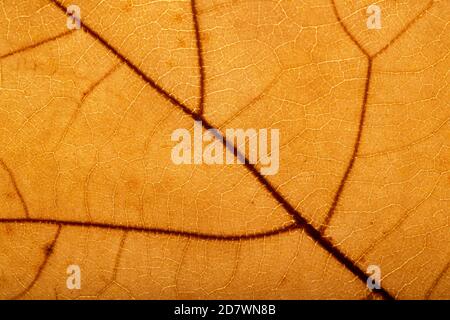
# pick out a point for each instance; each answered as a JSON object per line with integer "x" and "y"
{"x": 86, "y": 176}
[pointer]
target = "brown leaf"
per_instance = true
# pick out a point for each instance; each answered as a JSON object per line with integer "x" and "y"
{"x": 86, "y": 176}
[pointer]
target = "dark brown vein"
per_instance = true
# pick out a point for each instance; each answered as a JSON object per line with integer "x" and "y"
{"x": 337, "y": 196}
{"x": 437, "y": 280}
{"x": 393, "y": 40}
{"x": 349, "y": 168}
{"x": 161, "y": 231}
{"x": 16, "y": 188}
{"x": 347, "y": 32}
{"x": 362, "y": 117}
{"x": 315, "y": 234}
{"x": 37, "y": 44}
{"x": 48, "y": 252}
{"x": 201, "y": 64}
{"x": 413, "y": 21}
